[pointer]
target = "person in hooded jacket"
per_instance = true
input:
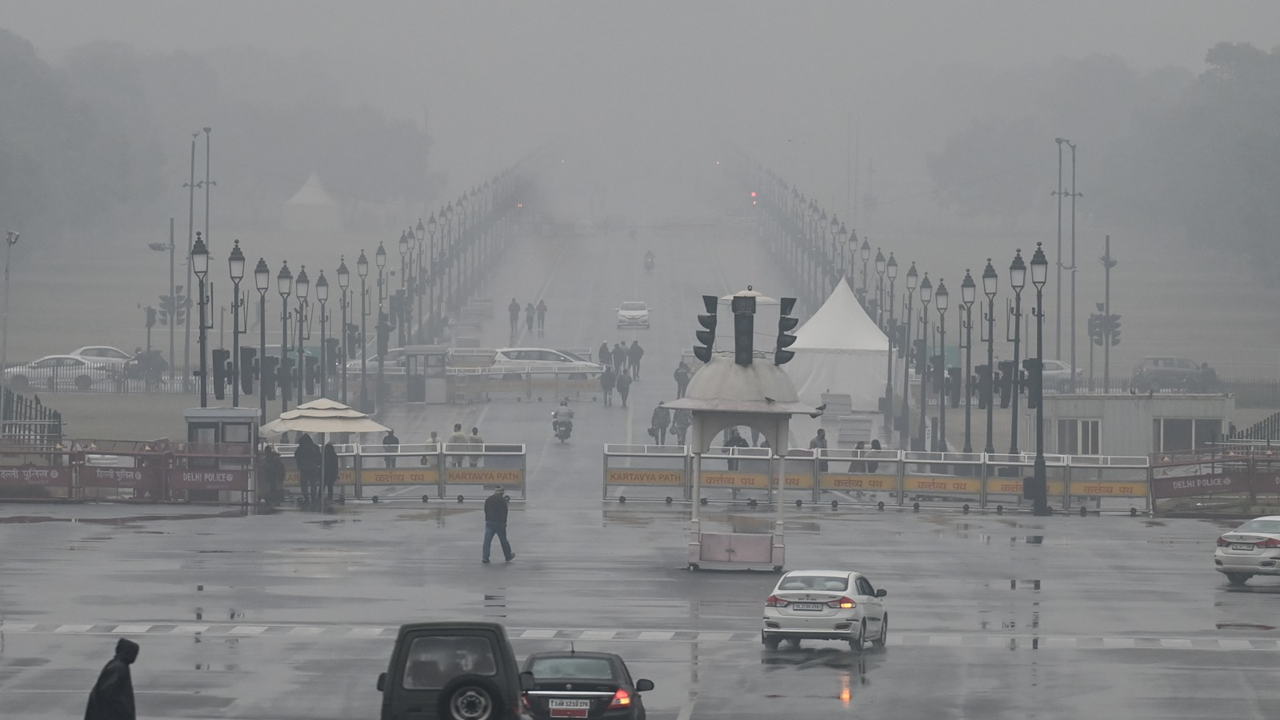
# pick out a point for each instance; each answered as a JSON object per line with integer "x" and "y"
{"x": 634, "y": 353}
{"x": 624, "y": 386}
{"x": 542, "y": 316}
{"x": 608, "y": 379}
{"x": 619, "y": 357}
{"x": 682, "y": 376}
{"x": 331, "y": 466}
{"x": 606, "y": 357}
{"x": 307, "y": 458}
{"x": 112, "y": 696}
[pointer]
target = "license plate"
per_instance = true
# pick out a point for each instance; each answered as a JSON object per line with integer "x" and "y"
{"x": 809, "y": 607}
{"x": 1242, "y": 546}
{"x": 569, "y": 708}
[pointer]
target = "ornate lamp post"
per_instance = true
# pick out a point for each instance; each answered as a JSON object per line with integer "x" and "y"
{"x": 842, "y": 238}
{"x": 891, "y": 272}
{"x": 420, "y": 286}
{"x": 284, "y": 284}
{"x": 404, "y": 274}
{"x": 344, "y": 302}
{"x": 235, "y": 264}
{"x": 322, "y": 295}
{"x": 1017, "y": 281}
{"x": 303, "y": 288}
{"x": 200, "y": 266}
{"x": 262, "y": 281}
{"x": 380, "y": 259}
{"x": 866, "y": 257}
{"x": 968, "y": 296}
{"x": 880, "y": 268}
{"x": 942, "y": 300}
{"x": 904, "y": 423}
{"x": 432, "y": 279}
{"x": 450, "y": 252}
{"x": 922, "y": 366}
{"x": 362, "y": 269}
{"x": 989, "y": 282}
{"x": 1039, "y": 275}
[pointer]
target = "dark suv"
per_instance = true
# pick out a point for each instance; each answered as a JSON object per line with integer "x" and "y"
{"x": 1157, "y": 373}
{"x": 453, "y": 671}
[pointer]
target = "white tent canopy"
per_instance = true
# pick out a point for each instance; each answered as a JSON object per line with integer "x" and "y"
{"x": 321, "y": 416}
{"x": 312, "y": 209}
{"x": 840, "y": 350}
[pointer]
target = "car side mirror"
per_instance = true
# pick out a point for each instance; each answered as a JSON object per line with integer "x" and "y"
{"x": 526, "y": 680}
{"x": 382, "y": 681}
{"x": 644, "y": 685}
{"x": 881, "y": 593}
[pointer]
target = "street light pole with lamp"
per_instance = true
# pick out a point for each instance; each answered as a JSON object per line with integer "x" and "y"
{"x": 262, "y": 281}
{"x": 922, "y": 362}
{"x": 235, "y": 265}
{"x": 989, "y": 283}
{"x": 942, "y": 300}
{"x": 322, "y": 295}
{"x": 904, "y": 423}
{"x": 880, "y": 268}
{"x": 404, "y": 264}
{"x": 433, "y": 279}
{"x": 842, "y": 239}
{"x": 1017, "y": 281}
{"x": 968, "y": 296}
{"x": 380, "y": 259}
{"x": 302, "y": 287}
{"x": 1039, "y": 275}
{"x": 362, "y": 269}
{"x": 420, "y": 233}
{"x": 344, "y": 302}
{"x": 284, "y": 284}
{"x": 10, "y": 241}
{"x": 891, "y": 272}
{"x": 200, "y": 266}
{"x": 866, "y": 257}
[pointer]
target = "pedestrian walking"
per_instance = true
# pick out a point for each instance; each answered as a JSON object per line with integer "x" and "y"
{"x": 871, "y": 466}
{"x": 619, "y": 357}
{"x": 514, "y": 310}
{"x": 457, "y": 438}
{"x": 735, "y": 441}
{"x": 682, "y": 376}
{"x": 529, "y": 311}
{"x": 431, "y": 460}
{"x": 859, "y": 465}
{"x": 273, "y": 473}
{"x": 624, "y": 386}
{"x": 542, "y": 317}
{"x": 331, "y": 466}
{"x": 495, "y": 524}
{"x": 307, "y": 458}
{"x": 819, "y": 442}
{"x": 680, "y": 423}
{"x": 658, "y": 423}
{"x": 634, "y": 353}
{"x": 475, "y": 439}
{"x": 112, "y": 695}
{"x": 606, "y": 357}
{"x": 608, "y": 379}
{"x": 391, "y": 444}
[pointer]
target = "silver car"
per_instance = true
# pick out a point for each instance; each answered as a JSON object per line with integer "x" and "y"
{"x": 59, "y": 372}
{"x": 1251, "y": 549}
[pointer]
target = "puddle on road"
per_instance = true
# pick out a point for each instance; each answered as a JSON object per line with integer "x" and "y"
{"x": 1243, "y": 626}
{"x": 128, "y": 520}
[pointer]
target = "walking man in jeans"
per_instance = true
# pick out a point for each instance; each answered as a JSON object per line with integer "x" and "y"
{"x": 495, "y": 523}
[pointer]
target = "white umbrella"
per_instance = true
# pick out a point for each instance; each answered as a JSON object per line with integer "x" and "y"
{"x": 321, "y": 416}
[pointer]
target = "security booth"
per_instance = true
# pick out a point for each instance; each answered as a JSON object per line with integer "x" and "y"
{"x": 426, "y": 380}
{"x": 217, "y": 463}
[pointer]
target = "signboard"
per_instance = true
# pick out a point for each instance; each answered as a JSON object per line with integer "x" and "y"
{"x": 345, "y": 477}
{"x": 735, "y": 479}
{"x": 1109, "y": 488}
{"x": 1013, "y": 486}
{"x": 1201, "y": 484}
{"x": 180, "y": 479}
{"x": 113, "y": 477}
{"x": 837, "y": 481}
{"x": 480, "y": 476}
{"x": 42, "y": 476}
{"x": 394, "y": 476}
{"x": 944, "y": 484}
{"x": 632, "y": 476}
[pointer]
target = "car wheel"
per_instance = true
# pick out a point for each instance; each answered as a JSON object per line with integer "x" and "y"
{"x": 855, "y": 643}
{"x": 1238, "y": 578}
{"x": 884, "y": 633}
{"x": 770, "y": 642}
{"x": 472, "y": 697}
{"x": 20, "y": 381}
{"x": 84, "y": 382}
{"x": 794, "y": 642}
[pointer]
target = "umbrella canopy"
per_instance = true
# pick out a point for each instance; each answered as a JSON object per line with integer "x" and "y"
{"x": 321, "y": 416}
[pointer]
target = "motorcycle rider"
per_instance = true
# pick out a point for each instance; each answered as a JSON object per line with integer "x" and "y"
{"x": 648, "y": 260}
{"x": 562, "y": 415}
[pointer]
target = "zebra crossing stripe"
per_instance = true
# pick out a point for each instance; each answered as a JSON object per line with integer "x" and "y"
{"x": 73, "y": 628}
{"x": 306, "y": 631}
{"x": 538, "y": 634}
{"x": 189, "y": 630}
{"x": 132, "y": 629}
{"x": 248, "y": 630}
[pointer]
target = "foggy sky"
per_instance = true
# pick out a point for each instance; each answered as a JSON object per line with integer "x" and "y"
{"x": 783, "y": 78}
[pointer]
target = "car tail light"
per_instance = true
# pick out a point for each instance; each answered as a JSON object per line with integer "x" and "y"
{"x": 843, "y": 603}
{"x": 1268, "y": 543}
{"x": 1223, "y": 542}
{"x": 621, "y": 699}
{"x": 775, "y": 601}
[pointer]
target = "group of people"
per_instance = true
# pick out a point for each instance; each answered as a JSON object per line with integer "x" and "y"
{"x": 317, "y": 471}
{"x": 532, "y": 313}
{"x": 664, "y": 421}
{"x": 621, "y": 367}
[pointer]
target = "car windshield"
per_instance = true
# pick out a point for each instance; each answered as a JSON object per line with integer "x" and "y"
{"x": 575, "y": 668}
{"x": 435, "y": 660}
{"x": 814, "y": 582}
{"x": 1261, "y": 526}
{"x": 633, "y": 306}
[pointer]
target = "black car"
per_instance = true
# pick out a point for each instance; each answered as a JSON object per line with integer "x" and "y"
{"x": 583, "y": 685}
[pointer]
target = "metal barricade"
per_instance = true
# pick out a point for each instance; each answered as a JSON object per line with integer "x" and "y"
{"x": 212, "y": 472}
{"x": 348, "y": 466}
{"x": 945, "y": 476}
{"x": 1100, "y": 478}
{"x": 485, "y": 466}
{"x": 123, "y": 470}
{"x": 1003, "y": 484}
{"x": 662, "y": 467}
{"x": 407, "y": 466}
{"x": 860, "y": 475}
{"x": 36, "y": 471}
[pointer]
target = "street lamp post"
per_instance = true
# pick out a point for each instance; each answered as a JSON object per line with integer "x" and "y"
{"x": 926, "y": 295}
{"x": 12, "y": 240}
{"x": 942, "y": 300}
{"x": 968, "y": 295}
{"x": 1040, "y": 274}
{"x": 362, "y": 269}
{"x": 420, "y": 285}
{"x": 303, "y": 288}
{"x": 284, "y": 284}
{"x": 433, "y": 279}
{"x": 262, "y": 281}
{"x": 344, "y": 302}
{"x": 1017, "y": 281}
{"x": 866, "y": 257}
{"x": 904, "y": 423}
{"x": 200, "y": 266}
{"x": 380, "y": 259}
{"x": 880, "y": 268}
{"x": 404, "y": 264}
{"x": 989, "y": 282}
{"x": 891, "y": 272}
{"x": 322, "y": 295}
{"x": 235, "y": 264}
{"x": 448, "y": 294}
{"x": 842, "y": 238}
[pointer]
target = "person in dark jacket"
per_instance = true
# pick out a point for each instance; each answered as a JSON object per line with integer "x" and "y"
{"x": 735, "y": 440}
{"x": 624, "y": 386}
{"x": 112, "y": 696}
{"x": 659, "y": 422}
{"x": 682, "y": 376}
{"x": 819, "y": 442}
{"x": 871, "y": 466}
{"x": 273, "y": 473}
{"x": 634, "y": 353}
{"x": 606, "y": 357}
{"x": 390, "y": 443}
{"x": 307, "y": 458}
{"x": 330, "y": 469}
{"x": 680, "y": 423}
{"x": 529, "y": 311}
{"x": 608, "y": 379}
{"x": 514, "y": 310}
{"x": 542, "y": 316}
{"x": 495, "y": 523}
{"x": 619, "y": 357}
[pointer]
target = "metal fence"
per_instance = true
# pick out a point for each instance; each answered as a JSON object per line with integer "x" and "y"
{"x": 27, "y": 422}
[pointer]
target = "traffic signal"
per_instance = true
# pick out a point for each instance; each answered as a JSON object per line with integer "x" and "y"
{"x": 707, "y": 335}
{"x": 151, "y": 317}
{"x": 744, "y": 328}
{"x": 1005, "y": 382}
{"x": 285, "y": 378}
{"x": 954, "y": 386}
{"x": 786, "y": 324}
{"x": 221, "y": 358}
{"x": 984, "y": 385}
{"x": 312, "y": 374}
{"x": 1095, "y": 329}
{"x": 1115, "y": 330}
{"x": 247, "y": 368}
{"x": 754, "y": 199}
{"x": 269, "y": 376}
{"x": 1033, "y": 382}
{"x": 173, "y": 308}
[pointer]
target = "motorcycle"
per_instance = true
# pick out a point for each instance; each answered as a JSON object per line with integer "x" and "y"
{"x": 561, "y": 427}
{"x": 648, "y": 263}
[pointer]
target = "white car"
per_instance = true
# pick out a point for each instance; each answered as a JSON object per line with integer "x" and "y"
{"x": 1057, "y": 375}
{"x": 102, "y": 354}
{"x": 633, "y": 314}
{"x": 1251, "y": 549}
{"x": 535, "y": 357}
{"x": 59, "y": 372}
{"x": 825, "y": 605}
